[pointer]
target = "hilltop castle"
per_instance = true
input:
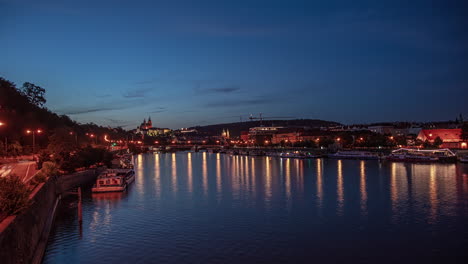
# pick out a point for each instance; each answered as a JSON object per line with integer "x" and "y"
{"x": 146, "y": 128}
{"x": 146, "y": 125}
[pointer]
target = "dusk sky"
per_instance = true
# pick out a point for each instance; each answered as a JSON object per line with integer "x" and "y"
{"x": 188, "y": 63}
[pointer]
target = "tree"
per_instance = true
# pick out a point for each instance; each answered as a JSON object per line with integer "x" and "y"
{"x": 14, "y": 195}
{"x": 437, "y": 142}
{"x": 464, "y": 133}
{"x": 34, "y": 93}
{"x": 427, "y": 144}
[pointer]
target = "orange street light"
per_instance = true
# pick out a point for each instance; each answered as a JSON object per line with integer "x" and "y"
{"x": 338, "y": 139}
{"x": 6, "y": 140}
{"x": 33, "y": 132}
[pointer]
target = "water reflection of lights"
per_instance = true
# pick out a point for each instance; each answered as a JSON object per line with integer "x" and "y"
{"x": 218, "y": 174}
{"x": 319, "y": 182}
{"x": 288, "y": 179}
{"x": 189, "y": 172}
{"x": 174, "y": 172}
{"x": 253, "y": 178}
{"x": 363, "y": 190}
{"x": 157, "y": 174}
{"x": 139, "y": 174}
{"x": 268, "y": 191}
{"x": 433, "y": 200}
{"x": 339, "y": 188}
{"x": 205, "y": 173}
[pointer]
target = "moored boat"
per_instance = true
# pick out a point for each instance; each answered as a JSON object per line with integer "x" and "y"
{"x": 422, "y": 155}
{"x": 405, "y": 157}
{"x": 354, "y": 155}
{"x": 113, "y": 180}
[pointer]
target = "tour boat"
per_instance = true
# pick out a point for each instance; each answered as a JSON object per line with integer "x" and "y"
{"x": 298, "y": 155}
{"x": 422, "y": 155}
{"x": 353, "y": 155}
{"x": 407, "y": 157}
{"x": 113, "y": 180}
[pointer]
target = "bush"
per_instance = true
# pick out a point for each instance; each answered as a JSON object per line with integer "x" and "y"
{"x": 49, "y": 169}
{"x": 14, "y": 195}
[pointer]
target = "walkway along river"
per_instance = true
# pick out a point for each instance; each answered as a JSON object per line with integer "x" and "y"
{"x": 216, "y": 208}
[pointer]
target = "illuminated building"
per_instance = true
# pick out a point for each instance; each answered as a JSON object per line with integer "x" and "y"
{"x": 451, "y": 138}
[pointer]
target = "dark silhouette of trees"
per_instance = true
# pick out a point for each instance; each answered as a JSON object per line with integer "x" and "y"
{"x": 34, "y": 93}
{"x": 464, "y": 133}
{"x": 437, "y": 142}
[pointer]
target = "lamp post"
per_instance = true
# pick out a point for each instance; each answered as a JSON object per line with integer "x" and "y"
{"x": 6, "y": 141}
{"x": 33, "y": 132}
{"x": 76, "y": 137}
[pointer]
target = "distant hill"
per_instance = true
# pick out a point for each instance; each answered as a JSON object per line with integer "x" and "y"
{"x": 236, "y": 128}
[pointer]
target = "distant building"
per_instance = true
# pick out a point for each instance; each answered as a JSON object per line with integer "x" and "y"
{"x": 451, "y": 138}
{"x": 226, "y": 134}
{"x": 383, "y": 129}
{"x": 146, "y": 128}
{"x": 146, "y": 125}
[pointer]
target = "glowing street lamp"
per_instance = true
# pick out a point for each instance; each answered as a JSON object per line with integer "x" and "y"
{"x": 33, "y": 132}
{"x": 6, "y": 140}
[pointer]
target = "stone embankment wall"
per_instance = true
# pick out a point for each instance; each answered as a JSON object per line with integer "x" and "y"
{"x": 23, "y": 237}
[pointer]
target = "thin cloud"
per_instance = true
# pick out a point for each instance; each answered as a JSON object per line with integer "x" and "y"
{"x": 137, "y": 93}
{"x": 216, "y": 90}
{"x": 79, "y": 111}
{"x": 238, "y": 102}
{"x": 159, "y": 110}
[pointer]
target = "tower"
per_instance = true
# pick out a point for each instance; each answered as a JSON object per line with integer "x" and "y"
{"x": 150, "y": 124}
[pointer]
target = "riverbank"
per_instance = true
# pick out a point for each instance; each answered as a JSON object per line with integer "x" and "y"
{"x": 23, "y": 237}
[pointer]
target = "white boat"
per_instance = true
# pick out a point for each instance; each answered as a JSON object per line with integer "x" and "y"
{"x": 354, "y": 155}
{"x": 422, "y": 155}
{"x": 113, "y": 180}
{"x": 408, "y": 157}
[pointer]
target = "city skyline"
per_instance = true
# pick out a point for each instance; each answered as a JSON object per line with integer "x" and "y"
{"x": 187, "y": 64}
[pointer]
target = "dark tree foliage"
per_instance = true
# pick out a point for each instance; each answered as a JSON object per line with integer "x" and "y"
{"x": 464, "y": 133}
{"x": 34, "y": 93}
{"x": 14, "y": 195}
{"x": 23, "y": 110}
{"x": 437, "y": 142}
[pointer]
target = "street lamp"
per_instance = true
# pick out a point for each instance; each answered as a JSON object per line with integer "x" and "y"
{"x": 6, "y": 142}
{"x": 33, "y": 132}
{"x": 76, "y": 136}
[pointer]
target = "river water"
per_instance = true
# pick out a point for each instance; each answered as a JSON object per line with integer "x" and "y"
{"x": 216, "y": 208}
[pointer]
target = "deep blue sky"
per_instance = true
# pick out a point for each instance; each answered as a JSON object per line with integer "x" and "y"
{"x": 202, "y": 62}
